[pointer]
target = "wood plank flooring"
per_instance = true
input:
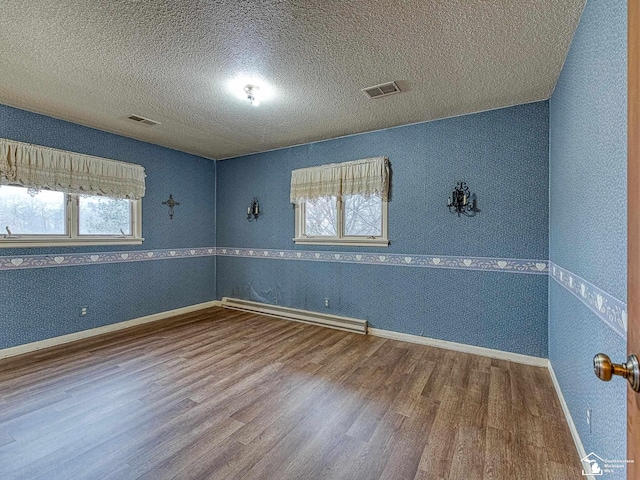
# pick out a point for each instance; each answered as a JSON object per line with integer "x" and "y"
{"x": 219, "y": 394}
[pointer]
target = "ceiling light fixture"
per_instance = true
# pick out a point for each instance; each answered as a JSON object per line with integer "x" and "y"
{"x": 252, "y": 94}
{"x": 245, "y": 86}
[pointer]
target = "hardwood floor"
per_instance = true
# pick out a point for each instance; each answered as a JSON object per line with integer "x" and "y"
{"x": 219, "y": 394}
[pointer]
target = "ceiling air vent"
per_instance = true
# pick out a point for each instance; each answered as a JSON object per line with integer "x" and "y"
{"x": 383, "y": 90}
{"x": 143, "y": 121}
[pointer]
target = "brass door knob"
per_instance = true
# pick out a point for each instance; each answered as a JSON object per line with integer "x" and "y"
{"x": 605, "y": 370}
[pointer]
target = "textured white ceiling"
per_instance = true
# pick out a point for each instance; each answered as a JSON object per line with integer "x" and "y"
{"x": 95, "y": 62}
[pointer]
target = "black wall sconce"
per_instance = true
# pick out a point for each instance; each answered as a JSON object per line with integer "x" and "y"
{"x": 462, "y": 201}
{"x": 253, "y": 210}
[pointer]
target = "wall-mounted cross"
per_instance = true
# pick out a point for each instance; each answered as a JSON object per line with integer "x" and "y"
{"x": 170, "y": 203}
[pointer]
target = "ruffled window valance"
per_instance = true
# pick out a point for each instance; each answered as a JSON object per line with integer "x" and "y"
{"x": 38, "y": 167}
{"x": 367, "y": 177}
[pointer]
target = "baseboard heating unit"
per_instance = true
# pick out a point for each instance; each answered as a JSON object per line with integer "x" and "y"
{"x": 333, "y": 321}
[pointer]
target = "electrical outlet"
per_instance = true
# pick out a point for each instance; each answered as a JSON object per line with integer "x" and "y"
{"x": 326, "y": 302}
{"x": 589, "y": 418}
{"x": 83, "y": 311}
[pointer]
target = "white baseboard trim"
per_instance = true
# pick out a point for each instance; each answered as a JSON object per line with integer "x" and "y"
{"x": 567, "y": 414}
{"x": 72, "y": 337}
{"x": 461, "y": 347}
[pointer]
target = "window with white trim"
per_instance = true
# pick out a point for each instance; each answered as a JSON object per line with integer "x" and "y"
{"x": 51, "y": 197}
{"x": 342, "y": 204}
{"x": 45, "y": 217}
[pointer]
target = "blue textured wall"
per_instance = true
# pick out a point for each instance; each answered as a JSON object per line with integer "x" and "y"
{"x": 502, "y": 154}
{"x": 588, "y": 217}
{"x": 43, "y": 303}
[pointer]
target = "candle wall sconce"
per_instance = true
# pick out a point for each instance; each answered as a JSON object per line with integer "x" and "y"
{"x": 253, "y": 210}
{"x": 462, "y": 201}
{"x": 170, "y": 203}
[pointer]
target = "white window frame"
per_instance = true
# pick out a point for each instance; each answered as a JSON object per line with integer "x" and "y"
{"x": 301, "y": 238}
{"x": 73, "y": 237}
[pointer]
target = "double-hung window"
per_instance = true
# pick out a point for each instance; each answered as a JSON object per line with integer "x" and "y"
{"x": 51, "y": 197}
{"x": 342, "y": 204}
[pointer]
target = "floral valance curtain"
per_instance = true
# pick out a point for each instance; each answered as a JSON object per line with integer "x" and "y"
{"x": 369, "y": 176}
{"x": 38, "y": 167}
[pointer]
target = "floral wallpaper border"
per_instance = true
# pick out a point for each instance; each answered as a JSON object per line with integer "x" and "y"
{"x": 18, "y": 262}
{"x": 612, "y": 311}
{"x": 511, "y": 265}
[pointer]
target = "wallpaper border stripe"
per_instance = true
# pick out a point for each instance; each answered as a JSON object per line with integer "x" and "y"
{"x": 507, "y": 265}
{"x": 611, "y": 310}
{"x": 18, "y": 262}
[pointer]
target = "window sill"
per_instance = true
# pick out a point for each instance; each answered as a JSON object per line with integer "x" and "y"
{"x": 354, "y": 242}
{"x": 66, "y": 242}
